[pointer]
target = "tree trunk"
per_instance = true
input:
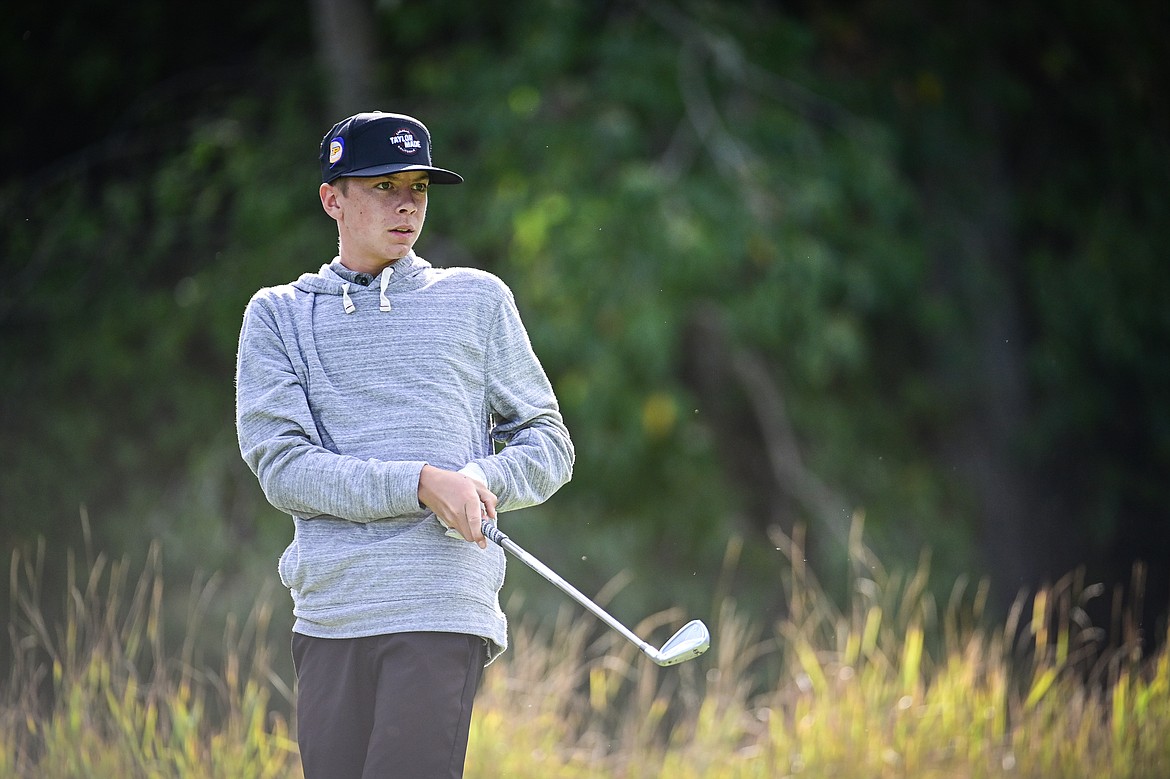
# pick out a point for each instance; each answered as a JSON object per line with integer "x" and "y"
{"x": 983, "y": 365}
{"x": 346, "y": 52}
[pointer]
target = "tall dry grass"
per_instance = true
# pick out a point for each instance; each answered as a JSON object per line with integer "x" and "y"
{"x": 893, "y": 685}
{"x": 100, "y": 694}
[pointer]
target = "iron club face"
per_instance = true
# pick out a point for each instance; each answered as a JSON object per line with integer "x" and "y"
{"x": 689, "y": 642}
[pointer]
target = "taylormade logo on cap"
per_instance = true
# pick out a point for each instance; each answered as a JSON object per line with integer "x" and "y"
{"x": 378, "y": 144}
{"x": 405, "y": 142}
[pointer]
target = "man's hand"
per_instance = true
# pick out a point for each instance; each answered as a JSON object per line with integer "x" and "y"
{"x": 459, "y": 501}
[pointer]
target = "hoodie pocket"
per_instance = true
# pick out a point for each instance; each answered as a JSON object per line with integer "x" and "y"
{"x": 289, "y": 565}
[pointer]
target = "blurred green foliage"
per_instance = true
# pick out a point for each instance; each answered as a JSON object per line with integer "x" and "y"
{"x": 677, "y": 192}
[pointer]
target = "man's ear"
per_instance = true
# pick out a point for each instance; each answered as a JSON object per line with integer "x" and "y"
{"x": 330, "y": 200}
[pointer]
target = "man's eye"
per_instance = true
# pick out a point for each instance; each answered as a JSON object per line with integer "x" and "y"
{"x": 421, "y": 186}
{"x": 383, "y": 185}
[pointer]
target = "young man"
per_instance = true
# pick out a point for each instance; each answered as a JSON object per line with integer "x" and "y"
{"x": 371, "y": 396}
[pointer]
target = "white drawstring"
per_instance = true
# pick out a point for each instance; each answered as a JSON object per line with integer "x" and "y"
{"x": 383, "y": 301}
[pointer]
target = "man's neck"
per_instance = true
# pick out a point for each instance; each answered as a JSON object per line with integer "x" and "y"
{"x": 369, "y": 267}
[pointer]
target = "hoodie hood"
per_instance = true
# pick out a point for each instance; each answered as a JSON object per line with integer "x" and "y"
{"x": 335, "y": 279}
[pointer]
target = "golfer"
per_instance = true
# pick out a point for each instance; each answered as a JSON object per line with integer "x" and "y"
{"x": 389, "y": 406}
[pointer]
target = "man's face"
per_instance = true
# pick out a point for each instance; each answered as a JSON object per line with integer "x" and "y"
{"x": 378, "y": 218}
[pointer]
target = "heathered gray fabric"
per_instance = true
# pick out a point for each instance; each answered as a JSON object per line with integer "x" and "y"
{"x": 337, "y": 414}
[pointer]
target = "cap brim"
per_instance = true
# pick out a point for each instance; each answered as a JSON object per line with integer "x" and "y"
{"x": 438, "y": 175}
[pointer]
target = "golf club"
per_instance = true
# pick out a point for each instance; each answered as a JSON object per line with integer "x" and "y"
{"x": 689, "y": 642}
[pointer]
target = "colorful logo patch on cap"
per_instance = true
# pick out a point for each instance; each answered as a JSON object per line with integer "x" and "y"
{"x": 405, "y": 142}
{"x": 336, "y": 148}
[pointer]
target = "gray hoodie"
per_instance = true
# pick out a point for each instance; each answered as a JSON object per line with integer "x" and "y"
{"x": 346, "y": 386}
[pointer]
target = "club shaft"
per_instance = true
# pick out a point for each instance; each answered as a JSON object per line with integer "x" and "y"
{"x": 493, "y": 533}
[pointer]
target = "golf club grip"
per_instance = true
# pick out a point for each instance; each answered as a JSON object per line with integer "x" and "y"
{"x": 494, "y": 534}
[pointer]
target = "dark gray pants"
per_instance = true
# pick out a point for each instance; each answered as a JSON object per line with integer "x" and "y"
{"x": 386, "y": 706}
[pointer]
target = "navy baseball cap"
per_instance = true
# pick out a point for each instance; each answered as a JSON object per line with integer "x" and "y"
{"x": 377, "y": 144}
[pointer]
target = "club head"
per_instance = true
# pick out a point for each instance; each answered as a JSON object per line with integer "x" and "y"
{"x": 689, "y": 642}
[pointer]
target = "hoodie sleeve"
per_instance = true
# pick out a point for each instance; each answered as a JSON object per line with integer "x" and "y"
{"x": 281, "y": 444}
{"x": 538, "y": 455}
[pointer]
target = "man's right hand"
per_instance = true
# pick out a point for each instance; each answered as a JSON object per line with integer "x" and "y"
{"x": 459, "y": 501}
